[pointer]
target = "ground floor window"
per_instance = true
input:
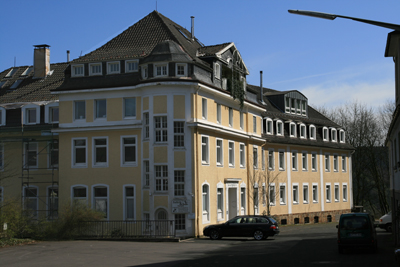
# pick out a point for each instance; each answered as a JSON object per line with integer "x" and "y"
{"x": 180, "y": 222}
{"x": 52, "y": 194}
{"x": 31, "y": 200}
{"x": 100, "y": 199}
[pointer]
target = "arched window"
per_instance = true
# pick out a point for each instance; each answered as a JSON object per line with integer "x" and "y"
{"x": 312, "y": 132}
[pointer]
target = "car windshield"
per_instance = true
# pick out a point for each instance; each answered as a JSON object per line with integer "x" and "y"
{"x": 354, "y": 223}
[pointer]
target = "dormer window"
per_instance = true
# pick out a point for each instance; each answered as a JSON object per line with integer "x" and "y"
{"x": 268, "y": 126}
{"x": 341, "y": 136}
{"x": 279, "y": 128}
{"x": 333, "y": 135}
{"x": 145, "y": 72}
{"x": 161, "y": 70}
{"x": 293, "y": 106}
{"x": 31, "y": 114}
{"x": 217, "y": 71}
{"x": 51, "y": 113}
{"x": 181, "y": 69}
{"x": 95, "y": 69}
{"x": 77, "y": 70}
{"x": 113, "y": 67}
{"x": 132, "y": 65}
{"x": 303, "y": 108}
{"x": 325, "y": 134}
{"x": 292, "y": 129}
{"x": 298, "y": 107}
{"x": 287, "y": 105}
{"x": 303, "y": 131}
{"x": 312, "y": 132}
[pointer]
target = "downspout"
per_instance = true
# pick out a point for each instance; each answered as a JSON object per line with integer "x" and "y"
{"x": 196, "y": 178}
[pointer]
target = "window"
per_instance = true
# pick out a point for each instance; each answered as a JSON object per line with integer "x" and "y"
{"x": 100, "y": 199}
{"x": 282, "y": 194}
{"x": 298, "y": 107}
{"x": 101, "y": 108}
{"x": 27, "y": 71}
{"x": 128, "y": 150}
{"x": 255, "y": 199}
{"x": 271, "y": 160}
{"x": 2, "y": 83}
{"x": 181, "y": 69}
{"x": 341, "y": 136}
{"x": 243, "y": 200}
{"x": 130, "y": 107}
{"x": 344, "y": 164}
{"x": 231, "y": 154}
{"x": 336, "y": 192}
{"x": 230, "y": 117}
{"x": 145, "y": 72}
{"x": 293, "y": 105}
{"x": 161, "y": 129}
{"x": 30, "y": 114}
{"x": 146, "y": 126}
{"x": 281, "y": 160}
{"x": 100, "y": 148}
{"x": 80, "y": 110}
{"x": 53, "y": 154}
{"x": 344, "y": 187}
{"x": 328, "y": 193}
{"x": 255, "y": 157}
{"x": 269, "y": 128}
{"x": 79, "y": 195}
{"x": 305, "y": 193}
{"x": 264, "y": 195}
{"x": 113, "y": 67}
{"x": 53, "y": 114}
{"x": 219, "y": 113}
{"x": 217, "y": 71}
{"x": 206, "y": 200}
{"x": 242, "y": 155}
{"x": 315, "y": 193}
{"x": 179, "y": 183}
{"x": 327, "y": 165}
{"x": 77, "y": 71}
{"x": 131, "y": 65}
{"x": 15, "y": 84}
{"x": 295, "y": 194}
{"x": 314, "y": 161}
{"x": 179, "y": 134}
{"x": 161, "y": 178}
{"x": 304, "y": 161}
{"x": 272, "y": 195}
{"x": 292, "y": 129}
{"x": 31, "y": 200}
{"x": 180, "y": 221}
{"x": 287, "y": 104}
{"x": 220, "y": 152}
{"x": 263, "y": 158}
{"x": 279, "y": 128}
{"x": 52, "y": 203}
{"x": 31, "y": 155}
{"x": 79, "y": 152}
{"x": 303, "y": 131}
{"x": 220, "y": 203}
{"x": 161, "y": 70}
{"x": 303, "y": 108}
{"x": 254, "y": 124}
{"x": 312, "y": 132}
{"x": 204, "y": 108}
{"x": 325, "y": 136}
{"x": 241, "y": 120}
{"x": 146, "y": 173}
{"x": 129, "y": 210}
{"x": 294, "y": 161}
{"x": 95, "y": 69}
{"x": 335, "y": 163}
{"x": 333, "y": 135}
{"x": 204, "y": 150}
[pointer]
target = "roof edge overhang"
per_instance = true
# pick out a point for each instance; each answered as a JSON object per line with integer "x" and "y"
{"x": 226, "y": 48}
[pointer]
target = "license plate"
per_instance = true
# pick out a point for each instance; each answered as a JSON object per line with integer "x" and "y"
{"x": 355, "y": 235}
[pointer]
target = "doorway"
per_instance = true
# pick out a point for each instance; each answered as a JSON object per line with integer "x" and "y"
{"x": 233, "y": 203}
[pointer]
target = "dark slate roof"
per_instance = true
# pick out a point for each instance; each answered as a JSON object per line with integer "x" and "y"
{"x": 167, "y": 51}
{"x": 211, "y": 50}
{"x": 140, "y": 39}
{"x": 31, "y": 89}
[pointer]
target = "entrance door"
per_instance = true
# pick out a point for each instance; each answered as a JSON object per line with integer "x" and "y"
{"x": 233, "y": 203}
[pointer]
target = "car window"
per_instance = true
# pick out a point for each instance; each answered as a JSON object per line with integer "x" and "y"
{"x": 354, "y": 223}
{"x": 251, "y": 220}
{"x": 235, "y": 220}
{"x": 271, "y": 220}
{"x": 261, "y": 220}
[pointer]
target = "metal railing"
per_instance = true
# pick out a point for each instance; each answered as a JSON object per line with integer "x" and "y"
{"x": 127, "y": 229}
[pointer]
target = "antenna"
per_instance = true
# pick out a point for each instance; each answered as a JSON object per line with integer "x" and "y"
{"x": 156, "y": 5}
{"x": 15, "y": 61}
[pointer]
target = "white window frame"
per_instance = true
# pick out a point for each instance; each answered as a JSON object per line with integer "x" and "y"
{"x": 124, "y": 163}
{"x": 179, "y": 134}
{"x": 220, "y": 206}
{"x": 231, "y": 153}
{"x": 344, "y": 163}
{"x": 255, "y": 157}
{"x": 73, "y": 198}
{"x": 96, "y": 164}
{"x": 327, "y": 162}
{"x": 271, "y": 159}
{"x": 241, "y": 120}
{"x": 91, "y": 73}
{"x": 304, "y": 161}
{"x": 75, "y": 107}
{"x": 162, "y": 130}
{"x": 182, "y": 182}
{"x": 127, "y": 62}
{"x": 230, "y": 115}
{"x": 264, "y": 194}
{"x": 328, "y": 192}
{"x": 272, "y": 198}
{"x": 163, "y": 72}
{"x": 279, "y": 122}
{"x": 313, "y": 132}
{"x": 162, "y": 178}
{"x": 306, "y": 193}
{"x": 95, "y": 106}
{"x": 304, "y": 128}
{"x": 26, "y": 198}
{"x": 335, "y": 162}
{"x": 242, "y": 152}
{"x": 295, "y": 193}
{"x": 315, "y": 192}
{"x": 282, "y": 199}
{"x": 287, "y": 104}
{"x": 256, "y": 196}
{"x": 325, "y": 134}
{"x": 205, "y": 202}
{"x": 204, "y": 108}
{"x": 303, "y": 108}
{"x": 294, "y": 160}
{"x": 314, "y": 161}
{"x": 342, "y": 136}
{"x": 25, "y": 110}
{"x": 74, "y": 69}
{"x": 73, "y": 152}
{"x": 47, "y": 112}
{"x": 49, "y": 155}
{"x": 281, "y": 160}
{"x": 336, "y": 192}
{"x": 2, "y": 116}
{"x": 242, "y": 199}
{"x": 292, "y": 129}
{"x": 146, "y": 173}
{"x": 219, "y": 121}
{"x": 106, "y": 198}
{"x": 219, "y": 152}
{"x": 344, "y": 192}
{"x": 184, "y": 65}
{"x": 269, "y": 124}
{"x": 146, "y": 125}
{"x": 333, "y": 135}
{"x": 145, "y": 72}
{"x": 205, "y": 146}
{"x": 125, "y": 199}
{"x": 217, "y": 70}
{"x": 125, "y": 106}
{"x": 263, "y": 158}
{"x": 255, "y": 124}
{"x": 113, "y": 63}
{"x": 26, "y": 160}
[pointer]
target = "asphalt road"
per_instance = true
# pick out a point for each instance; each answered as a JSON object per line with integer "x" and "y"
{"x": 299, "y": 245}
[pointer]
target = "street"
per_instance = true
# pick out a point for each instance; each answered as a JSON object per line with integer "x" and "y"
{"x": 296, "y": 245}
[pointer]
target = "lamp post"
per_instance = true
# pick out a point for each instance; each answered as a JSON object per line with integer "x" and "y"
{"x": 392, "y": 50}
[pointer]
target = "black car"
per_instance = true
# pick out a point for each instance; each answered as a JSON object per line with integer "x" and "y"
{"x": 257, "y": 226}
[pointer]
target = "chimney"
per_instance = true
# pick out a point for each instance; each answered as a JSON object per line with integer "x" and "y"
{"x": 41, "y": 61}
{"x": 192, "y": 28}
{"x": 67, "y": 55}
{"x": 261, "y": 88}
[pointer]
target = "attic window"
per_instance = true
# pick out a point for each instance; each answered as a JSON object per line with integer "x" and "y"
{"x": 77, "y": 70}
{"x": 217, "y": 71}
{"x": 292, "y": 129}
{"x": 95, "y": 69}
{"x": 325, "y": 133}
{"x": 27, "y": 71}
{"x": 11, "y": 72}
{"x": 131, "y": 65}
{"x": 303, "y": 131}
{"x": 161, "y": 70}
{"x": 312, "y": 132}
{"x": 15, "y": 84}
{"x": 181, "y": 69}
{"x": 279, "y": 128}
{"x": 113, "y": 67}
{"x": 2, "y": 83}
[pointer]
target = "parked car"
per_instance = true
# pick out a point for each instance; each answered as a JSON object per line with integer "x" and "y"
{"x": 356, "y": 230}
{"x": 257, "y": 226}
{"x": 385, "y": 222}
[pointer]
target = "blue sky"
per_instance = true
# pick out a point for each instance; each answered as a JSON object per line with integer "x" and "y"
{"x": 331, "y": 62}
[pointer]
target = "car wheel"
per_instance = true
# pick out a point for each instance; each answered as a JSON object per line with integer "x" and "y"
{"x": 214, "y": 235}
{"x": 340, "y": 249}
{"x": 258, "y": 235}
{"x": 388, "y": 227}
